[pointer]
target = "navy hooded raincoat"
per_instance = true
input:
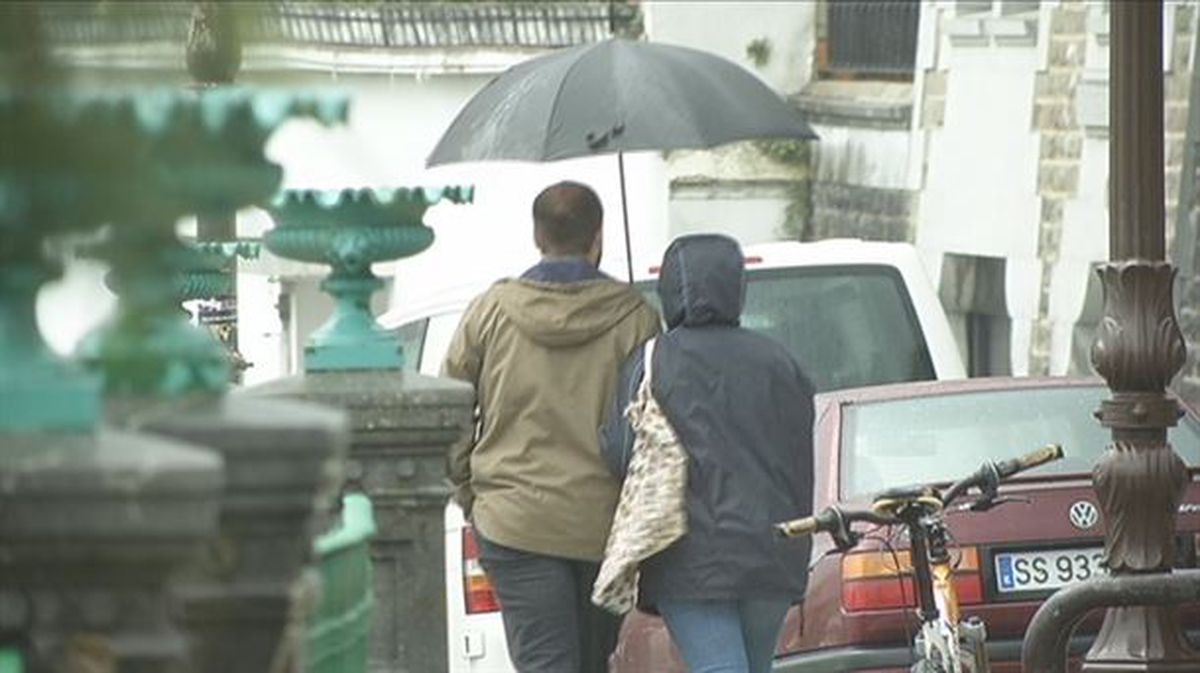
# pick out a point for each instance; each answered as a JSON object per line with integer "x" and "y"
{"x": 742, "y": 409}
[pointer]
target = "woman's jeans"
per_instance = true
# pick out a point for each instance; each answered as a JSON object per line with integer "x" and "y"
{"x": 725, "y": 636}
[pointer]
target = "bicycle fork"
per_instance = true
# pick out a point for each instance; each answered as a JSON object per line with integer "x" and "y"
{"x": 959, "y": 646}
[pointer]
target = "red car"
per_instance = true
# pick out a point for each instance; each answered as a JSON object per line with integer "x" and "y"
{"x": 858, "y": 616}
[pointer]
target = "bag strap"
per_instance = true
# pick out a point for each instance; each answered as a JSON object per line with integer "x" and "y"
{"x": 647, "y": 361}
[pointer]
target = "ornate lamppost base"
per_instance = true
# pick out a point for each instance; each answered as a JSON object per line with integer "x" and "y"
{"x": 1146, "y": 639}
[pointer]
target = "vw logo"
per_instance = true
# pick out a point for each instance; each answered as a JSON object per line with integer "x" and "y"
{"x": 1083, "y": 515}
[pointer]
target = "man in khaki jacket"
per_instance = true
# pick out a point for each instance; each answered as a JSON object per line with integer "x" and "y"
{"x": 543, "y": 353}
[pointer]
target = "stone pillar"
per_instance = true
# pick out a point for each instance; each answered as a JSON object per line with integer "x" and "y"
{"x": 402, "y": 425}
{"x": 189, "y": 152}
{"x": 283, "y": 462}
{"x": 92, "y": 526}
{"x": 92, "y": 519}
{"x": 1139, "y": 348}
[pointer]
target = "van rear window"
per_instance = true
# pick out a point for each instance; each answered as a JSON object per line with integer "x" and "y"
{"x": 847, "y": 326}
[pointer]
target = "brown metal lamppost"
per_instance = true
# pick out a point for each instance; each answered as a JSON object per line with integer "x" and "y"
{"x": 213, "y": 54}
{"x": 1139, "y": 348}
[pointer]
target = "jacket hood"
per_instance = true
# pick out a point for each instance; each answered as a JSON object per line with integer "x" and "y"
{"x": 703, "y": 281}
{"x": 566, "y": 314}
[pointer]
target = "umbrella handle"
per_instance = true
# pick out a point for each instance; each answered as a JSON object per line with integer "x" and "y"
{"x": 625, "y": 214}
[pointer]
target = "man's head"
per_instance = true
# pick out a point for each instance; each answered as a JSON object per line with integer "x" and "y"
{"x": 567, "y": 219}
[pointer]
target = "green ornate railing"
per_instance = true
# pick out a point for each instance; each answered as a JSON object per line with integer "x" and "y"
{"x": 341, "y": 624}
{"x": 10, "y": 661}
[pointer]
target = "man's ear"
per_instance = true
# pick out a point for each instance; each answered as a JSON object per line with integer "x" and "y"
{"x": 597, "y": 249}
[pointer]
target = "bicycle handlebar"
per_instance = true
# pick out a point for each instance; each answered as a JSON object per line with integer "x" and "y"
{"x": 834, "y": 520}
{"x": 798, "y": 527}
{"x": 991, "y": 473}
{"x": 831, "y": 520}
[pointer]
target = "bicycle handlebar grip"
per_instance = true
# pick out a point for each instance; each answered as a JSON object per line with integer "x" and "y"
{"x": 797, "y": 527}
{"x": 1041, "y": 456}
{"x": 1044, "y": 455}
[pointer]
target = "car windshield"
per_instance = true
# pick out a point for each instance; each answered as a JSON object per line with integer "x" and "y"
{"x": 940, "y": 438}
{"x": 847, "y": 326}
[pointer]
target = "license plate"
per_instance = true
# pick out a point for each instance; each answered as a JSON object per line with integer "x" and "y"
{"x": 1046, "y": 569}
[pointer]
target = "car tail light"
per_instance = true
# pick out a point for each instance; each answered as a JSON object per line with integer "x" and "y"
{"x": 477, "y": 588}
{"x": 881, "y": 580}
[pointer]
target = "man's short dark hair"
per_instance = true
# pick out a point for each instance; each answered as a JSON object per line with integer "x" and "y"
{"x": 566, "y": 218}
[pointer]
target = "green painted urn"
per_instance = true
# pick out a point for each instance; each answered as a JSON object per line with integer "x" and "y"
{"x": 185, "y": 152}
{"x": 350, "y": 230}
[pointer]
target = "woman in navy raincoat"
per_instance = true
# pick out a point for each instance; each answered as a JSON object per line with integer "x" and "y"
{"x": 742, "y": 409}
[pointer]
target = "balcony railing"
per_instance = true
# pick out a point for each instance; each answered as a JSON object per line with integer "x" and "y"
{"x": 877, "y": 38}
{"x": 381, "y": 24}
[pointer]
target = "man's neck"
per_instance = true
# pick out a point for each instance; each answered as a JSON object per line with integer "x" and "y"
{"x": 566, "y": 258}
{"x": 563, "y": 269}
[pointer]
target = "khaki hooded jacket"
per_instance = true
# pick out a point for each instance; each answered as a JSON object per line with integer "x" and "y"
{"x": 544, "y": 360}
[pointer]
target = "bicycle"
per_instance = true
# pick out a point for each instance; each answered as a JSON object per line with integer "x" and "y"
{"x": 945, "y": 643}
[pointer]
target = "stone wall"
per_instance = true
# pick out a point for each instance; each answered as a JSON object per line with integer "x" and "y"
{"x": 1182, "y": 121}
{"x": 856, "y": 211}
{"x": 1061, "y": 145}
{"x": 1177, "y": 84}
{"x": 859, "y": 179}
{"x": 1070, "y": 114}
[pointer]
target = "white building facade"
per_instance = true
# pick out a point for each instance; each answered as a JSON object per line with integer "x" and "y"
{"x": 975, "y": 129}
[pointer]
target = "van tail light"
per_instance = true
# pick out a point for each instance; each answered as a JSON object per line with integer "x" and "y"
{"x": 477, "y": 588}
{"x": 881, "y": 580}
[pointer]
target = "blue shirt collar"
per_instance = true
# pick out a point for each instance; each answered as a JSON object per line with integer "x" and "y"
{"x": 563, "y": 270}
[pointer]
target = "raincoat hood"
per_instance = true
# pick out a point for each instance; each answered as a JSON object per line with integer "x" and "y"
{"x": 565, "y": 314}
{"x": 702, "y": 281}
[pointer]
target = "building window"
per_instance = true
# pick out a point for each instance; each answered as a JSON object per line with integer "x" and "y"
{"x": 1006, "y": 7}
{"x": 972, "y": 292}
{"x": 867, "y": 39}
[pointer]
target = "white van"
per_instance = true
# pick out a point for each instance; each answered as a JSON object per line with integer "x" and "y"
{"x": 853, "y": 313}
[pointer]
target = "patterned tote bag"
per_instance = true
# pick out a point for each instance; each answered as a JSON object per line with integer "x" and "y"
{"x": 651, "y": 513}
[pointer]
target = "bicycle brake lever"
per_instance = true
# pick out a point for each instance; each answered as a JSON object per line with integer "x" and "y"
{"x": 844, "y": 538}
{"x": 847, "y": 541}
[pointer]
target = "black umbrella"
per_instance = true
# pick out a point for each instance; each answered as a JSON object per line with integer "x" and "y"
{"x": 617, "y": 95}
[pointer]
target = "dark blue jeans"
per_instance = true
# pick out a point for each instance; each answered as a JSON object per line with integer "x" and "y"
{"x": 725, "y": 636}
{"x": 549, "y": 621}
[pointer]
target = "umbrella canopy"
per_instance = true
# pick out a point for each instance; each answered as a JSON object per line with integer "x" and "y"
{"x": 617, "y": 95}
